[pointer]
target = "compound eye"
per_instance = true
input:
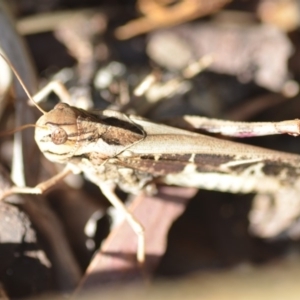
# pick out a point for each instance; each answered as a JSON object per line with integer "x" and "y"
{"x": 59, "y": 136}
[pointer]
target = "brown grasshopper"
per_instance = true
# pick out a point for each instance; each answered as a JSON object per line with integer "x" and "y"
{"x": 114, "y": 149}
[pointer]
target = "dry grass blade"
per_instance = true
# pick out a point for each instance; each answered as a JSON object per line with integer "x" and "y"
{"x": 116, "y": 262}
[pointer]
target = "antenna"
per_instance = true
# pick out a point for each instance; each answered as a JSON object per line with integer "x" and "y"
{"x": 22, "y": 83}
{"x": 9, "y": 132}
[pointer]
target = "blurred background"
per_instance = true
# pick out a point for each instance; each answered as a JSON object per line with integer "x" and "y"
{"x": 161, "y": 59}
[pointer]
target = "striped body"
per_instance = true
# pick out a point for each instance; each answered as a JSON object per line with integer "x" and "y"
{"x": 133, "y": 152}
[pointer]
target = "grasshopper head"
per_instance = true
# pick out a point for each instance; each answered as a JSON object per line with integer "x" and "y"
{"x": 57, "y": 134}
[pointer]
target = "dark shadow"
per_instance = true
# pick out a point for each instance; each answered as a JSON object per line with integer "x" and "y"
{"x": 22, "y": 273}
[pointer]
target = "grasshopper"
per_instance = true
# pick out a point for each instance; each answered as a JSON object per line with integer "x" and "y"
{"x": 114, "y": 149}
